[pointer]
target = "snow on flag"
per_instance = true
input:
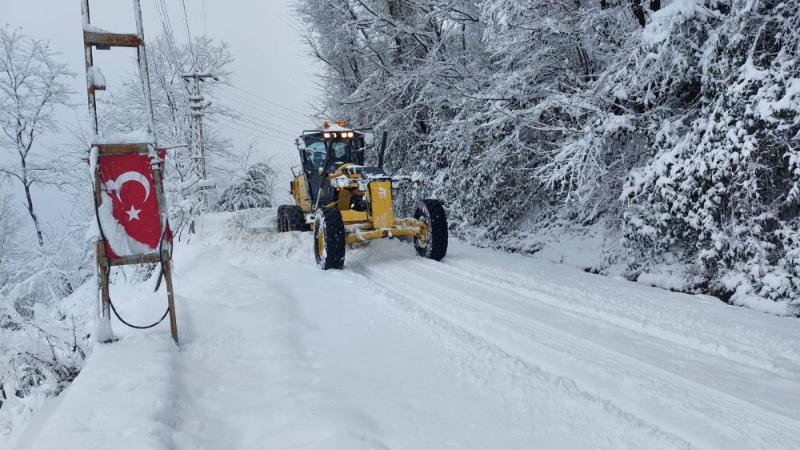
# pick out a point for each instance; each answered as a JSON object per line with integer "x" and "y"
{"x": 129, "y": 211}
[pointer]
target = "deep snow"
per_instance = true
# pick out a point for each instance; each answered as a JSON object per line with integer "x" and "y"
{"x": 485, "y": 350}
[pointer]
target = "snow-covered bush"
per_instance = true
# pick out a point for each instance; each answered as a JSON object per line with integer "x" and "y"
{"x": 45, "y": 316}
{"x": 254, "y": 190}
{"x": 721, "y": 190}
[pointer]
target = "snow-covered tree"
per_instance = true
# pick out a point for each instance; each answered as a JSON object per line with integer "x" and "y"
{"x": 721, "y": 191}
{"x": 253, "y": 190}
{"x": 32, "y": 85}
{"x": 673, "y": 124}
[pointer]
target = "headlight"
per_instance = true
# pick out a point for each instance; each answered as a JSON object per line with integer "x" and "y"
{"x": 327, "y": 135}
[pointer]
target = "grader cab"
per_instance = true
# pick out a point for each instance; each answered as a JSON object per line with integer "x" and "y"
{"x": 345, "y": 202}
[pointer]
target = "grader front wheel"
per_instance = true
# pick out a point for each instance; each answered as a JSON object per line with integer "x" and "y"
{"x": 433, "y": 243}
{"x": 329, "y": 239}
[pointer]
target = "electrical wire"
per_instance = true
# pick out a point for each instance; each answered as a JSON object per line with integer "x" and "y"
{"x": 189, "y": 35}
{"x": 271, "y": 114}
{"x": 270, "y": 102}
{"x": 205, "y": 22}
{"x": 169, "y": 36}
{"x": 254, "y": 120}
{"x": 257, "y": 136}
{"x": 248, "y": 127}
{"x": 250, "y": 98}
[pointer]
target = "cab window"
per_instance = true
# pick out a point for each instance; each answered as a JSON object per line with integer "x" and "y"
{"x": 315, "y": 154}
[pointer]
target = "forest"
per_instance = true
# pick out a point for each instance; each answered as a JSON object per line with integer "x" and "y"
{"x": 670, "y": 131}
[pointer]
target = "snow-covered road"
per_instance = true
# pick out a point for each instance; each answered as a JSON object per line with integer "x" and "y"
{"x": 485, "y": 350}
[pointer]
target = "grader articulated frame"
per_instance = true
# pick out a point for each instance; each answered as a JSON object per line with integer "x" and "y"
{"x": 345, "y": 202}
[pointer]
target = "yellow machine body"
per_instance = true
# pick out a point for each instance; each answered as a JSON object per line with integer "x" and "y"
{"x": 375, "y": 222}
{"x": 300, "y": 194}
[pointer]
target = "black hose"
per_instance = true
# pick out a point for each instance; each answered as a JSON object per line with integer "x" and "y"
{"x": 108, "y": 267}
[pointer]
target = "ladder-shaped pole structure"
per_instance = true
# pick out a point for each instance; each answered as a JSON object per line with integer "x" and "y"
{"x": 197, "y": 105}
{"x": 97, "y": 39}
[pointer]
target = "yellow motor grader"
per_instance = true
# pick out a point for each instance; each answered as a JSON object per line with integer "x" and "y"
{"x": 345, "y": 203}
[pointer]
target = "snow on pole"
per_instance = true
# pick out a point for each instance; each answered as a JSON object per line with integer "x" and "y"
{"x": 95, "y": 78}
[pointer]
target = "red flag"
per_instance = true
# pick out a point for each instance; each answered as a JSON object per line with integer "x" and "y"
{"x": 129, "y": 211}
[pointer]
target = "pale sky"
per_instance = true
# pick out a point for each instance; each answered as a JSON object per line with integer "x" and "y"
{"x": 271, "y": 60}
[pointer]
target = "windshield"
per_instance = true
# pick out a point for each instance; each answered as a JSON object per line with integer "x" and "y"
{"x": 315, "y": 153}
{"x": 341, "y": 152}
{"x": 344, "y": 151}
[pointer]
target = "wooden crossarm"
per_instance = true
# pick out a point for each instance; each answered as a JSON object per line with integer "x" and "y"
{"x": 108, "y": 40}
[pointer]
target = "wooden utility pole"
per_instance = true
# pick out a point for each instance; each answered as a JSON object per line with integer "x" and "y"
{"x": 97, "y": 39}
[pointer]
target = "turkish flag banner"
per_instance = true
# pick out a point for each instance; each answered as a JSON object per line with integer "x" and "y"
{"x": 129, "y": 214}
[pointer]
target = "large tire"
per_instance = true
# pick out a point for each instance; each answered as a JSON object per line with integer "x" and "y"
{"x": 281, "y": 219}
{"x": 434, "y": 245}
{"x": 295, "y": 219}
{"x": 329, "y": 239}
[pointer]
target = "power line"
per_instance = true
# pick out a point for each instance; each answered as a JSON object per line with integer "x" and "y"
{"x": 256, "y": 130}
{"x": 272, "y": 114}
{"x": 189, "y": 34}
{"x": 253, "y": 102}
{"x": 169, "y": 35}
{"x": 261, "y": 122}
{"x": 232, "y": 128}
{"x": 271, "y": 102}
{"x": 248, "y": 127}
{"x": 281, "y": 131}
{"x": 205, "y": 22}
{"x": 240, "y": 130}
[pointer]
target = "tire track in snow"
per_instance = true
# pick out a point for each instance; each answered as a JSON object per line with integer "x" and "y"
{"x": 761, "y": 427}
{"x": 547, "y": 295}
{"x": 701, "y": 395}
{"x": 548, "y": 299}
{"x": 523, "y": 371}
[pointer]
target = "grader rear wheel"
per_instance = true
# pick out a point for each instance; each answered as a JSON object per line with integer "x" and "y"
{"x": 295, "y": 219}
{"x": 281, "y": 219}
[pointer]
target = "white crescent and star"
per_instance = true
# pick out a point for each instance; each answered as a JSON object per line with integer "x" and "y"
{"x": 116, "y": 187}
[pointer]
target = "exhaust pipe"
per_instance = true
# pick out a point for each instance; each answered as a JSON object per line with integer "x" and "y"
{"x": 382, "y": 151}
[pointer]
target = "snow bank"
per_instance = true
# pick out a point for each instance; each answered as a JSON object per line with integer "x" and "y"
{"x": 123, "y": 399}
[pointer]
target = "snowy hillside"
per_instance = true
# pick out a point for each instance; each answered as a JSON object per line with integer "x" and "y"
{"x": 670, "y": 128}
{"x": 485, "y": 350}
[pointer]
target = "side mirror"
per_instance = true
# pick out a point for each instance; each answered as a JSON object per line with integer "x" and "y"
{"x": 369, "y": 139}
